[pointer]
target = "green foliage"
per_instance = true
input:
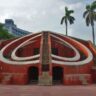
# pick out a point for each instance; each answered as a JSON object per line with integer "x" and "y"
{"x": 90, "y": 14}
{"x": 90, "y": 17}
{"x": 4, "y": 33}
{"x": 67, "y": 18}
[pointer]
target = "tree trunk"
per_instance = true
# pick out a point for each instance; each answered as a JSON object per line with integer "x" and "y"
{"x": 93, "y": 34}
{"x": 66, "y": 29}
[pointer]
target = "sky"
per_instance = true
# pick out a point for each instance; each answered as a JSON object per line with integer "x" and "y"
{"x": 42, "y": 15}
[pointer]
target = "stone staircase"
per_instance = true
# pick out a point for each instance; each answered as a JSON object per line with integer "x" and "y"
{"x": 83, "y": 80}
{"x": 45, "y": 78}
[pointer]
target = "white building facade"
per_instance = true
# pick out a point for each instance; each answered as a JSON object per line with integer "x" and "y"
{"x": 13, "y": 29}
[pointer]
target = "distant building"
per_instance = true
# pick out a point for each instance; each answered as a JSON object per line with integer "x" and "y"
{"x": 13, "y": 29}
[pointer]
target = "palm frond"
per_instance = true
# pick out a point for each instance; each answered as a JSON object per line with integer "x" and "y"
{"x": 71, "y": 19}
{"x": 62, "y": 20}
{"x": 93, "y": 6}
{"x": 85, "y": 13}
{"x": 67, "y": 17}
{"x": 66, "y": 9}
{"x": 94, "y": 2}
{"x": 88, "y": 7}
{"x": 70, "y": 11}
{"x": 94, "y": 16}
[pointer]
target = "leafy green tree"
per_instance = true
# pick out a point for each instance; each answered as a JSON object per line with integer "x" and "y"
{"x": 4, "y": 33}
{"x": 90, "y": 17}
{"x": 67, "y": 18}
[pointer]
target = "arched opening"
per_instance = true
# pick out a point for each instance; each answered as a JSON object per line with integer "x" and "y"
{"x": 33, "y": 75}
{"x": 57, "y": 75}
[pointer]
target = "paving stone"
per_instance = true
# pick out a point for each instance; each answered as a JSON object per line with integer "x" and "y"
{"x": 30, "y": 90}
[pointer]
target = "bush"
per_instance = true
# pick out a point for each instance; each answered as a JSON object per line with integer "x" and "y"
{"x": 4, "y": 33}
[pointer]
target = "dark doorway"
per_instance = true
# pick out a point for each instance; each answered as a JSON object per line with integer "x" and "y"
{"x": 33, "y": 75}
{"x": 57, "y": 74}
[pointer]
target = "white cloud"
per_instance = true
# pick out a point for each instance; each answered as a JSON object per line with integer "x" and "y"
{"x": 71, "y": 6}
{"x": 75, "y": 6}
{"x": 37, "y": 15}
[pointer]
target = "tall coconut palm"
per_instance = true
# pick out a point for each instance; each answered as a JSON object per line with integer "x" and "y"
{"x": 67, "y": 18}
{"x": 90, "y": 17}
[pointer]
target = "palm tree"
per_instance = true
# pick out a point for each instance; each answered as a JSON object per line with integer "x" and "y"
{"x": 90, "y": 17}
{"x": 67, "y": 18}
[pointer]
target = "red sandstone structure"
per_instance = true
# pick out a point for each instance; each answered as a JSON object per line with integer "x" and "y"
{"x": 47, "y": 58}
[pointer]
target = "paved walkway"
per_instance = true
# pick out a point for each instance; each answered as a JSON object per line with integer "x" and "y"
{"x": 29, "y": 90}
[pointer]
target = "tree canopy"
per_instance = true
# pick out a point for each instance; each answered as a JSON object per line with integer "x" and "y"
{"x": 4, "y": 33}
{"x": 67, "y": 18}
{"x": 90, "y": 17}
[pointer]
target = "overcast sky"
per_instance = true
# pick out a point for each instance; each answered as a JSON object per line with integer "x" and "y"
{"x": 38, "y": 15}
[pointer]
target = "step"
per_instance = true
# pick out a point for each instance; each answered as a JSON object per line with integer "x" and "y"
{"x": 45, "y": 79}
